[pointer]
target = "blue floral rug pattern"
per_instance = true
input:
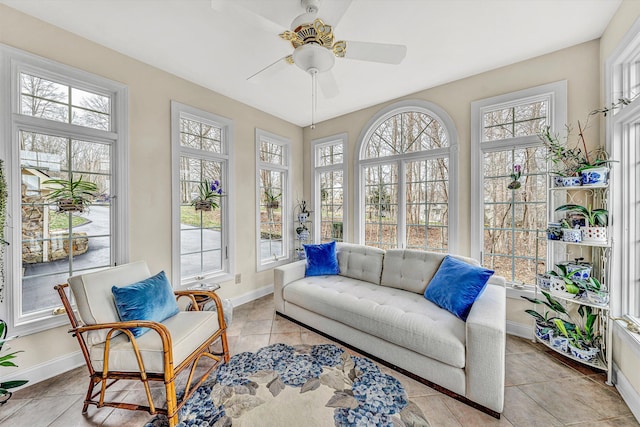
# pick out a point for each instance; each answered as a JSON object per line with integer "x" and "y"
{"x": 362, "y": 394}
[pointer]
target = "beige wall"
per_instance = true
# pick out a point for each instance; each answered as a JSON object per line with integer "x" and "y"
{"x": 150, "y": 93}
{"x": 626, "y": 352}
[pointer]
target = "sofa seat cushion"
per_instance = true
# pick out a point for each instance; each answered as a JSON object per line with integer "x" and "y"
{"x": 400, "y": 317}
{"x": 188, "y": 330}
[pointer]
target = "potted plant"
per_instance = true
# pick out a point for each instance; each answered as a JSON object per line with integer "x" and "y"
{"x": 272, "y": 199}
{"x": 303, "y": 213}
{"x": 6, "y": 360}
{"x": 303, "y": 232}
{"x": 544, "y": 323}
{"x": 209, "y": 194}
{"x": 515, "y": 178}
{"x": 595, "y": 229}
{"x": 70, "y": 195}
{"x": 583, "y": 341}
{"x": 570, "y": 234}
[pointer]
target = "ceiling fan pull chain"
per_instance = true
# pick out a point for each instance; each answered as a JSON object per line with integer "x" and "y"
{"x": 314, "y": 97}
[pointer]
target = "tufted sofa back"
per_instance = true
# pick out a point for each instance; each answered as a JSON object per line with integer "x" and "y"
{"x": 360, "y": 262}
{"x": 412, "y": 270}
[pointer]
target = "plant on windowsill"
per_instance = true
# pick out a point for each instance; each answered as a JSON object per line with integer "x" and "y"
{"x": 209, "y": 194}
{"x": 70, "y": 195}
{"x": 6, "y": 360}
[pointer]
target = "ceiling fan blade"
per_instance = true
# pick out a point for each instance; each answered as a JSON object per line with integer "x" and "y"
{"x": 328, "y": 84}
{"x": 269, "y": 70}
{"x": 332, "y": 11}
{"x": 376, "y": 52}
{"x": 243, "y": 11}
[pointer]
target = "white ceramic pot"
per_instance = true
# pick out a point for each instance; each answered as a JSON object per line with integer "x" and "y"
{"x": 571, "y": 181}
{"x": 594, "y": 234}
{"x": 595, "y": 176}
{"x": 302, "y": 217}
{"x": 559, "y": 288}
{"x": 598, "y": 297}
{"x": 543, "y": 281}
{"x": 581, "y": 354}
{"x": 559, "y": 342}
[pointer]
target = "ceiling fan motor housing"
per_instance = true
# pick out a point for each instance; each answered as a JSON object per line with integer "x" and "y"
{"x": 313, "y": 56}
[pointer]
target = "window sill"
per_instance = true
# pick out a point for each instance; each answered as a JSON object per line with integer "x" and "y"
{"x": 517, "y": 293}
{"x": 631, "y": 338}
{"x": 273, "y": 264}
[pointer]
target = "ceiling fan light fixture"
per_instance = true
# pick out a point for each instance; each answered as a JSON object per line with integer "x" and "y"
{"x": 312, "y": 56}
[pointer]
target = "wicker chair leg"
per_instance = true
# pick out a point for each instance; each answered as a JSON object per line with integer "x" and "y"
{"x": 172, "y": 404}
{"x": 225, "y": 346}
{"x": 87, "y": 399}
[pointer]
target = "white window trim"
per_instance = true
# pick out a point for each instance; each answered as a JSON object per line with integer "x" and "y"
{"x": 556, "y": 95}
{"x": 343, "y": 139}
{"x": 447, "y": 123}
{"x": 13, "y": 61}
{"x": 623, "y": 183}
{"x": 179, "y": 110}
{"x": 286, "y": 201}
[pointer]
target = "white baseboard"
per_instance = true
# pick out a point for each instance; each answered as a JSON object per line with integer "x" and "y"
{"x": 628, "y": 393}
{"x": 48, "y": 369}
{"x": 519, "y": 330}
{"x": 253, "y": 295}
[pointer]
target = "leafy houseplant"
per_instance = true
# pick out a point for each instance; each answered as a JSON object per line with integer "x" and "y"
{"x": 515, "y": 178}
{"x": 209, "y": 193}
{"x": 72, "y": 196}
{"x": 6, "y": 360}
{"x": 272, "y": 199}
{"x": 596, "y": 221}
{"x": 545, "y": 324}
{"x": 303, "y": 213}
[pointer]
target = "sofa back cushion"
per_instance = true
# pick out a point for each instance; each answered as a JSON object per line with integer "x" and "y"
{"x": 411, "y": 270}
{"x": 360, "y": 262}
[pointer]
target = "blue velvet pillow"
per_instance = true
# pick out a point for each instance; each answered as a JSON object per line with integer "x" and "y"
{"x": 149, "y": 299}
{"x": 321, "y": 259}
{"x": 456, "y": 286}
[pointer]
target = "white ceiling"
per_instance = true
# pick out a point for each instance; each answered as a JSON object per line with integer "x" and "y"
{"x": 219, "y": 48}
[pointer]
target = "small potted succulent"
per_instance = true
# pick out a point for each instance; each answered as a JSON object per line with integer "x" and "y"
{"x": 70, "y": 195}
{"x": 209, "y": 194}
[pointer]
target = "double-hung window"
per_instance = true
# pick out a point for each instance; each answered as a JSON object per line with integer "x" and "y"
{"x": 406, "y": 154}
{"x": 202, "y": 157}
{"x": 329, "y": 188}
{"x": 273, "y": 199}
{"x": 622, "y": 80}
{"x": 67, "y": 125}
{"x": 507, "y": 221}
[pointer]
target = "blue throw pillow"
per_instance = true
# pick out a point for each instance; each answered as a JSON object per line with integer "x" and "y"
{"x": 321, "y": 259}
{"x": 149, "y": 299}
{"x": 456, "y": 285}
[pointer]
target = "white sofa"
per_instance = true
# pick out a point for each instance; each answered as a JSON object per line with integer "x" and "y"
{"x": 376, "y": 305}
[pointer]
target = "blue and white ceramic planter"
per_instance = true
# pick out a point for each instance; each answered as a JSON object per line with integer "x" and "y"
{"x": 559, "y": 342}
{"x": 543, "y": 281}
{"x": 543, "y": 332}
{"x": 595, "y": 176}
{"x": 571, "y": 181}
{"x": 580, "y": 271}
{"x": 581, "y": 354}
{"x": 571, "y": 235}
{"x": 598, "y": 297}
{"x": 558, "y": 181}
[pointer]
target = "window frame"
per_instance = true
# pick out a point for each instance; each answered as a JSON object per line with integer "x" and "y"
{"x": 622, "y": 129}
{"x": 179, "y": 111}
{"x": 341, "y": 139}
{"x": 451, "y": 152}
{"x": 13, "y": 62}
{"x": 556, "y": 95}
{"x": 285, "y": 201}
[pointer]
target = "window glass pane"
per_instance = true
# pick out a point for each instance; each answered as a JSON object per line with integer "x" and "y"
{"x": 59, "y": 244}
{"x": 272, "y": 153}
{"x": 46, "y": 99}
{"x": 201, "y": 136}
{"x": 381, "y": 205}
{"x": 521, "y": 120}
{"x": 427, "y": 195}
{"x": 271, "y": 214}
{"x": 513, "y": 219}
{"x": 329, "y": 155}
{"x": 201, "y": 231}
{"x": 331, "y": 204}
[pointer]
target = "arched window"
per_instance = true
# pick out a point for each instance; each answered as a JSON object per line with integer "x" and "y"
{"x": 405, "y": 157}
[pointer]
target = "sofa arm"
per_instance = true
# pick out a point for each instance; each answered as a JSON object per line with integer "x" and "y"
{"x": 485, "y": 351}
{"x": 284, "y": 275}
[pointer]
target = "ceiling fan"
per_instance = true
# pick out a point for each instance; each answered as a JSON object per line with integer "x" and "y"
{"x": 315, "y": 48}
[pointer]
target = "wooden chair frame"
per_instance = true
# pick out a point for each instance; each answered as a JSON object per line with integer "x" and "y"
{"x": 107, "y": 378}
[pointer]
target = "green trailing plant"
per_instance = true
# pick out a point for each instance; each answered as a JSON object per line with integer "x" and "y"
{"x": 209, "y": 194}
{"x": 6, "y": 360}
{"x": 80, "y": 193}
{"x": 3, "y": 221}
{"x": 550, "y": 302}
{"x": 594, "y": 217}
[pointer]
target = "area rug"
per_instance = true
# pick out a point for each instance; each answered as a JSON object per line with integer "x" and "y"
{"x": 287, "y": 386}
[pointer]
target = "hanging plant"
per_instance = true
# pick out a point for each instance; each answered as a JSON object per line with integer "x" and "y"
{"x": 3, "y": 218}
{"x": 515, "y": 176}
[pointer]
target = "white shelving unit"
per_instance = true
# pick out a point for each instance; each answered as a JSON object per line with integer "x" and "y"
{"x": 597, "y": 253}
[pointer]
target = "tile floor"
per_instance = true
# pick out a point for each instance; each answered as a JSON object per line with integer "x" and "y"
{"x": 542, "y": 387}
